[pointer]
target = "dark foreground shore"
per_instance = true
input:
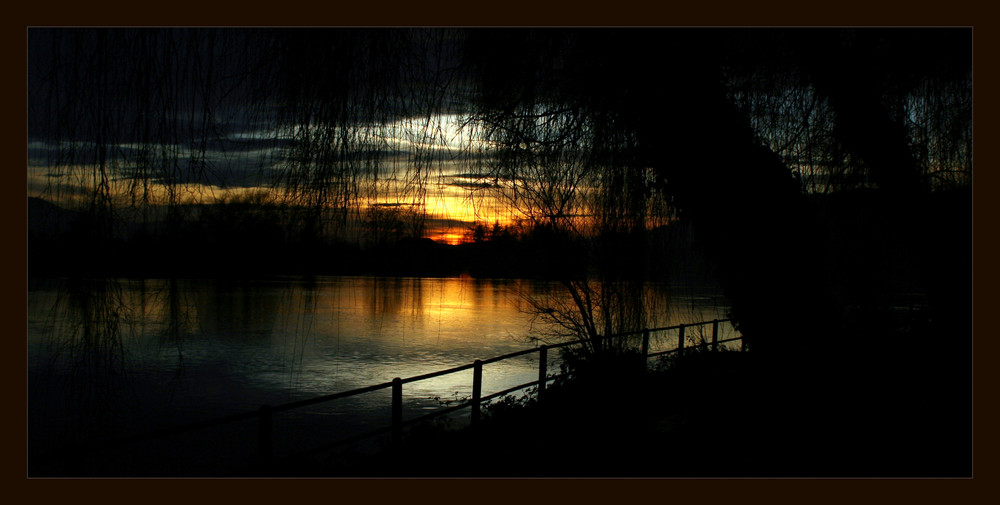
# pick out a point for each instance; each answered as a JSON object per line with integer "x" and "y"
{"x": 725, "y": 414}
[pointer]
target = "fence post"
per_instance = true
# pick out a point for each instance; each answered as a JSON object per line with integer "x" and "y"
{"x": 477, "y": 389}
{"x": 543, "y": 368}
{"x": 264, "y": 441}
{"x": 397, "y": 410}
{"x": 645, "y": 343}
{"x": 645, "y": 349}
{"x": 680, "y": 341}
{"x": 715, "y": 335}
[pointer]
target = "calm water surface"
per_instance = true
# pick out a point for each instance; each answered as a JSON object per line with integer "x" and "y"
{"x": 113, "y": 357}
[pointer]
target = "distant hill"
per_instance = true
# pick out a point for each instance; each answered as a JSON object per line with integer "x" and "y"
{"x": 48, "y": 219}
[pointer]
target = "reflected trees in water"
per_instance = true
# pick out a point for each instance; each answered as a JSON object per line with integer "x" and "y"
{"x": 90, "y": 360}
{"x": 800, "y": 159}
{"x": 320, "y": 136}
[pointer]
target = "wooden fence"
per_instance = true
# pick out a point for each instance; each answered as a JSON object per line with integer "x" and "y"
{"x": 264, "y": 415}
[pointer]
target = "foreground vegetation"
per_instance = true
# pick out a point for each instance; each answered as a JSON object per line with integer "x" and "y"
{"x": 724, "y": 414}
{"x": 830, "y": 169}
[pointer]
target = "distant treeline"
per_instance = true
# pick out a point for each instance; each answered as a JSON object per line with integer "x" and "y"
{"x": 229, "y": 240}
{"x": 257, "y": 241}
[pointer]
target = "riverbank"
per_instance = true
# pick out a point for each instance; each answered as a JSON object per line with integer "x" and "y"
{"x": 724, "y": 414}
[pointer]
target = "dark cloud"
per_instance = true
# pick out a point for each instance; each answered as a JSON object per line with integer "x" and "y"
{"x": 438, "y": 224}
{"x": 474, "y": 181}
{"x": 395, "y": 205}
{"x": 472, "y": 185}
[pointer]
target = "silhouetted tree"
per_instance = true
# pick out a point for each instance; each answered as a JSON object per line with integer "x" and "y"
{"x": 589, "y": 132}
{"x": 803, "y": 160}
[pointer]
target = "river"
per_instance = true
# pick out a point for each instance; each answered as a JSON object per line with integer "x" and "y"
{"x": 113, "y": 357}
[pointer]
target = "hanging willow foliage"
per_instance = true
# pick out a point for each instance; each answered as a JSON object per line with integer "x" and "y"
{"x": 347, "y": 132}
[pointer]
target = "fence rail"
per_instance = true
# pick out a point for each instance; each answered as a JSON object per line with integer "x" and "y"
{"x": 265, "y": 414}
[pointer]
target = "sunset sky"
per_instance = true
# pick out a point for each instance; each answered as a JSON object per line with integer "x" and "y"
{"x": 191, "y": 116}
{"x": 177, "y": 139}
{"x": 453, "y": 197}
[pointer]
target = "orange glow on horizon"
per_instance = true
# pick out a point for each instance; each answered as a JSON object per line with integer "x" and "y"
{"x": 450, "y": 236}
